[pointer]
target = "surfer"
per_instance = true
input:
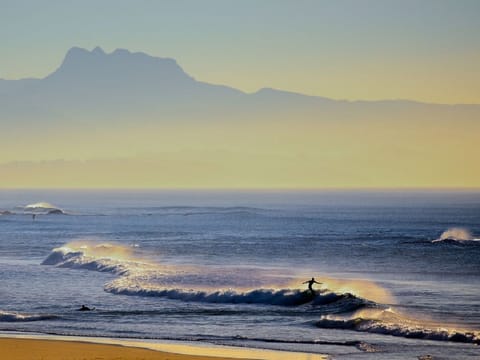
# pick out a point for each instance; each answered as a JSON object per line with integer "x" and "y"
{"x": 85, "y": 308}
{"x": 310, "y": 284}
{"x": 34, "y": 216}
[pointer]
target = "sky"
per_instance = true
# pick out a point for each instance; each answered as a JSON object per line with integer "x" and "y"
{"x": 423, "y": 50}
{"x": 426, "y": 50}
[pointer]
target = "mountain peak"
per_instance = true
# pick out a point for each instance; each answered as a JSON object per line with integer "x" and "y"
{"x": 83, "y": 64}
{"x": 77, "y": 55}
{"x": 98, "y": 50}
{"x": 76, "y": 51}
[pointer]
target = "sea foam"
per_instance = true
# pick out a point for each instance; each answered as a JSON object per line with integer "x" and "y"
{"x": 6, "y": 316}
{"x": 395, "y": 329}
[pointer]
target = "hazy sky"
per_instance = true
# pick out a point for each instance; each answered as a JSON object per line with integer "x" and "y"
{"x": 427, "y": 50}
{"x": 424, "y": 50}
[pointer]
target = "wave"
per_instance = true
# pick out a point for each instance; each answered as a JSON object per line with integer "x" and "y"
{"x": 6, "y": 316}
{"x": 278, "y": 297}
{"x": 455, "y": 235}
{"x": 40, "y": 206}
{"x": 397, "y": 329}
{"x": 102, "y": 257}
{"x": 140, "y": 278}
{"x": 190, "y": 209}
{"x": 204, "y": 211}
{"x": 361, "y": 345}
{"x": 343, "y": 310}
{"x": 43, "y": 208}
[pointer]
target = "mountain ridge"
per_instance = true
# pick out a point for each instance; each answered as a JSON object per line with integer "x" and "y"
{"x": 76, "y": 58}
{"x": 149, "y": 116}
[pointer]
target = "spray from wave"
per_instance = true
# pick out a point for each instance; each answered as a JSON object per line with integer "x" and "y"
{"x": 455, "y": 235}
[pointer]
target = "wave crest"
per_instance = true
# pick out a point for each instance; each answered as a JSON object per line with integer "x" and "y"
{"x": 396, "y": 329}
{"x": 278, "y": 297}
{"x": 6, "y": 316}
{"x": 104, "y": 257}
{"x": 455, "y": 235}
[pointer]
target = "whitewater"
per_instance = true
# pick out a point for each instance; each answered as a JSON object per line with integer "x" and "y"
{"x": 399, "y": 272}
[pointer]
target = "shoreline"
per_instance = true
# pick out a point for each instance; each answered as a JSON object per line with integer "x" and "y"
{"x": 20, "y": 346}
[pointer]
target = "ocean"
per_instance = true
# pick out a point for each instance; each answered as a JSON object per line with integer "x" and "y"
{"x": 399, "y": 271}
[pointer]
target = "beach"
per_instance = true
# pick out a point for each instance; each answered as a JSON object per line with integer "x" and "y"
{"x": 21, "y": 349}
{"x": 24, "y": 347}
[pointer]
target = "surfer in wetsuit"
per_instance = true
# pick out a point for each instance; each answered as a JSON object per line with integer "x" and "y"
{"x": 85, "y": 308}
{"x": 310, "y": 284}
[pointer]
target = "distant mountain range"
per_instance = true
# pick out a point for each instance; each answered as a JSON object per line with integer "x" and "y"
{"x": 95, "y": 103}
{"x": 96, "y": 84}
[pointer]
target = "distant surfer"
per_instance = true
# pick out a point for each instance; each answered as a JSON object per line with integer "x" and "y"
{"x": 85, "y": 308}
{"x": 34, "y": 216}
{"x": 310, "y": 284}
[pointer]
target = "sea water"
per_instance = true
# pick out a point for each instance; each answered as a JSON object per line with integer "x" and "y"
{"x": 400, "y": 271}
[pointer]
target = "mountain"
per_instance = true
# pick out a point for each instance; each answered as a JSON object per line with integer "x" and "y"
{"x": 125, "y": 105}
{"x": 94, "y": 83}
{"x": 90, "y": 83}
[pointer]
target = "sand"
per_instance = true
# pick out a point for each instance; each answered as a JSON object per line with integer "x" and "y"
{"x": 60, "y": 348}
{"x": 25, "y": 349}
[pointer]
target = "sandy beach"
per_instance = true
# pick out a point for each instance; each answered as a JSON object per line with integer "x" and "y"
{"x": 42, "y": 348}
{"x": 21, "y": 349}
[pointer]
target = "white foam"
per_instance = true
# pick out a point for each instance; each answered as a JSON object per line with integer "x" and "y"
{"x": 279, "y": 297}
{"x": 6, "y": 316}
{"x": 397, "y": 329}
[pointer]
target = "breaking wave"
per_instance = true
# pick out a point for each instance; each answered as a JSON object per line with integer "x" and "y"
{"x": 42, "y": 208}
{"x": 343, "y": 310}
{"x": 399, "y": 326}
{"x": 102, "y": 257}
{"x": 278, "y": 297}
{"x": 458, "y": 235}
{"x": 141, "y": 278}
{"x": 6, "y": 316}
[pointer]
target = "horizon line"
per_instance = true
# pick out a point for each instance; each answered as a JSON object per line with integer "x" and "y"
{"x": 253, "y": 189}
